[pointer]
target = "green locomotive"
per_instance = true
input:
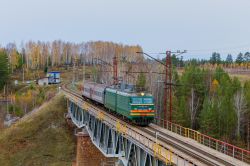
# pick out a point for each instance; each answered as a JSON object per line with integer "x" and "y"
{"x": 137, "y": 107}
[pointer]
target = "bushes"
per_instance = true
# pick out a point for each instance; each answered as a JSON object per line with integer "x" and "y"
{"x": 16, "y": 110}
{"x": 209, "y": 101}
{"x": 34, "y": 96}
{"x": 4, "y": 73}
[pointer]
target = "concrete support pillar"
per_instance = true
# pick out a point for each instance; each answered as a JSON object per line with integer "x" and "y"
{"x": 87, "y": 154}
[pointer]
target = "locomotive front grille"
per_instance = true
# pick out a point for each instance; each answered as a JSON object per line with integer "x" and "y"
{"x": 142, "y": 112}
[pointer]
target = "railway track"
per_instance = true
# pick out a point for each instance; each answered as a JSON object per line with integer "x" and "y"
{"x": 203, "y": 155}
{"x": 195, "y": 152}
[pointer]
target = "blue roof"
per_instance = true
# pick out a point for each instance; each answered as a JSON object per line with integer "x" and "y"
{"x": 54, "y": 72}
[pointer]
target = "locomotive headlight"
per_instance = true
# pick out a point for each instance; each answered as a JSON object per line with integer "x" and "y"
{"x": 142, "y": 94}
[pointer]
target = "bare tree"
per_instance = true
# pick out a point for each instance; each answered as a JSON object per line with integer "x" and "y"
{"x": 240, "y": 108}
{"x": 193, "y": 107}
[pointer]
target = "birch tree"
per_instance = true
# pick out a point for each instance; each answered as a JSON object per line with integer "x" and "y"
{"x": 194, "y": 103}
{"x": 240, "y": 106}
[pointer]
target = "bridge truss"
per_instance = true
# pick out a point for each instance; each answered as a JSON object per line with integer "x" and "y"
{"x": 134, "y": 145}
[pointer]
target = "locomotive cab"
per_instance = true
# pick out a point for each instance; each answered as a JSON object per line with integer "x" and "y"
{"x": 142, "y": 110}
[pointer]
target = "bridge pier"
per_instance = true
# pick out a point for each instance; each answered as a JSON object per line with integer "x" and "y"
{"x": 105, "y": 135}
{"x": 99, "y": 143}
{"x": 88, "y": 154}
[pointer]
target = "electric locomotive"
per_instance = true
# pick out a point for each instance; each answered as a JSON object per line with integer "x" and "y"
{"x": 123, "y": 100}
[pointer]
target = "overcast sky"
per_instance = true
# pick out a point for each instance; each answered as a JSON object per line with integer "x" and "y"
{"x": 199, "y": 26}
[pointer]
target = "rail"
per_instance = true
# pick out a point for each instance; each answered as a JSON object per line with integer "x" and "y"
{"x": 223, "y": 147}
{"x": 220, "y": 146}
{"x": 166, "y": 154}
{"x": 5, "y": 99}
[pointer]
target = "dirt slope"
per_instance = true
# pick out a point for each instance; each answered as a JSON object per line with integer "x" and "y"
{"x": 43, "y": 138}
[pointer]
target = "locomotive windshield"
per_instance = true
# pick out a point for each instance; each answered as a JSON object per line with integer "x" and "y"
{"x": 138, "y": 100}
{"x": 147, "y": 100}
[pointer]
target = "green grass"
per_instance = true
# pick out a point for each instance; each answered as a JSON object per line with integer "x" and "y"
{"x": 242, "y": 77}
{"x": 41, "y": 139}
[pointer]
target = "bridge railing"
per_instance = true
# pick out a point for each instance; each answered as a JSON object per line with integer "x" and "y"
{"x": 6, "y": 99}
{"x": 161, "y": 152}
{"x": 223, "y": 147}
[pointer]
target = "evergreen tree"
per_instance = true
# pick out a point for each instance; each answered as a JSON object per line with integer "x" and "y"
{"x": 45, "y": 69}
{"x": 4, "y": 69}
{"x": 218, "y": 117}
{"x": 239, "y": 58}
{"x": 247, "y": 115}
{"x": 181, "y": 62}
{"x": 96, "y": 75}
{"x": 193, "y": 62}
{"x": 224, "y": 104}
{"x": 247, "y": 95}
{"x": 229, "y": 59}
{"x": 240, "y": 109}
{"x": 215, "y": 58}
{"x": 174, "y": 60}
{"x": 20, "y": 62}
{"x": 209, "y": 118}
{"x": 220, "y": 73}
{"x": 192, "y": 94}
{"x": 141, "y": 81}
{"x": 180, "y": 115}
{"x": 218, "y": 58}
{"x": 247, "y": 57}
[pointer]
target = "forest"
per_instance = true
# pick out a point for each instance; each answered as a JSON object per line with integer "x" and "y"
{"x": 37, "y": 55}
{"x": 213, "y": 103}
{"x": 206, "y": 99}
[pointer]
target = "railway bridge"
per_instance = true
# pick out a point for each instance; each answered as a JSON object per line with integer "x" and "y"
{"x": 152, "y": 145}
{"x": 5, "y": 100}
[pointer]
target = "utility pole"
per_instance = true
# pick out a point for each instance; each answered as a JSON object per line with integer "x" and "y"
{"x": 115, "y": 77}
{"x": 167, "y": 84}
{"x": 7, "y": 92}
{"x": 168, "y": 89}
{"x": 10, "y": 62}
{"x": 23, "y": 66}
{"x": 74, "y": 69}
{"x": 159, "y": 100}
{"x": 77, "y": 69}
{"x": 156, "y": 137}
{"x": 83, "y": 72}
{"x": 248, "y": 135}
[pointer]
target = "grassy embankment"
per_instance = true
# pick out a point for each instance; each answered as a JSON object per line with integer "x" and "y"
{"x": 243, "y": 77}
{"x": 43, "y": 138}
{"x": 28, "y": 97}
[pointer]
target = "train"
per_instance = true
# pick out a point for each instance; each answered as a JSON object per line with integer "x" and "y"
{"x": 122, "y": 100}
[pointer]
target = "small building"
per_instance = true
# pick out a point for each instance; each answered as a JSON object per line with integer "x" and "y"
{"x": 16, "y": 82}
{"x": 54, "y": 77}
{"x": 43, "y": 81}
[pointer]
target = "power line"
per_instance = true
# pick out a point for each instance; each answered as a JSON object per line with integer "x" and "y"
{"x": 225, "y": 49}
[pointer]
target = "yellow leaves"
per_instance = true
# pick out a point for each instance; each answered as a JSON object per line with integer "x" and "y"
{"x": 214, "y": 86}
{"x": 215, "y": 82}
{"x": 121, "y": 128}
{"x": 25, "y": 98}
{"x": 85, "y": 107}
{"x": 13, "y": 59}
{"x": 156, "y": 149}
{"x": 28, "y": 97}
{"x": 159, "y": 151}
{"x": 13, "y": 98}
{"x": 100, "y": 116}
